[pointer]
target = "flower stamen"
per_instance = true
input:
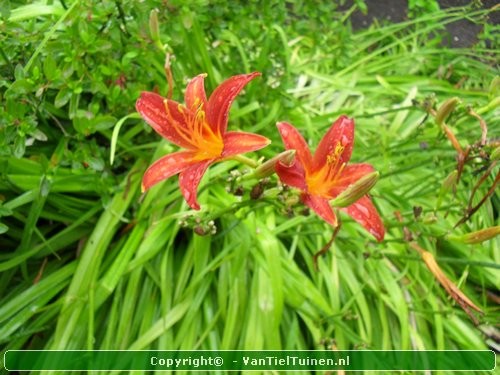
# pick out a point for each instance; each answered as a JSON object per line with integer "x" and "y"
{"x": 198, "y": 132}
{"x": 332, "y": 162}
{"x": 183, "y": 133}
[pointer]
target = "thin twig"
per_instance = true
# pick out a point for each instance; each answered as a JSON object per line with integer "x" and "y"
{"x": 170, "y": 78}
{"x": 325, "y": 248}
{"x": 482, "y": 124}
{"x": 59, "y": 125}
{"x": 452, "y": 138}
{"x": 7, "y": 60}
{"x": 479, "y": 183}
{"x": 461, "y": 159}
{"x": 472, "y": 210}
{"x": 40, "y": 271}
{"x": 121, "y": 14}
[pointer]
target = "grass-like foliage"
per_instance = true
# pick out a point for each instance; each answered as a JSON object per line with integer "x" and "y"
{"x": 89, "y": 262}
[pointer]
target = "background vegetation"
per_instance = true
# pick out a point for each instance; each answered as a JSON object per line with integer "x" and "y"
{"x": 87, "y": 262}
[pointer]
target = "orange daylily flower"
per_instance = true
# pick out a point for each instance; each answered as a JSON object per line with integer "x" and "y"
{"x": 200, "y": 128}
{"x": 323, "y": 176}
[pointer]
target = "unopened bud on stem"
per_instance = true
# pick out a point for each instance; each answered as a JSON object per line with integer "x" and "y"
{"x": 495, "y": 155}
{"x": 355, "y": 190}
{"x": 477, "y": 236}
{"x": 154, "y": 27}
{"x": 445, "y": 110}
{"x": 267, "y": 168}
{"x": 449, "y": 183}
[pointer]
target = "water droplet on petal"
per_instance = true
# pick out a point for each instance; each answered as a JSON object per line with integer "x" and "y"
{"x": 364, "y": 211}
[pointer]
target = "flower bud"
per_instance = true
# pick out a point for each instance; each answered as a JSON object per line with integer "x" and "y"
{"x": 477, "y": 236}
{"x": 445, "y": 110}
{"x": 267, "y": 168}
{"x": 355, "y": 190}
{"x": 292, "y": 200}
{"x": 495, "y": 154}
{"x": 494, "y": 86}
{"x": 257, "y": 191}
{"x": 449, "y": 183}
{"x": 154, "y": 28}
{"x": 199, "y": 230}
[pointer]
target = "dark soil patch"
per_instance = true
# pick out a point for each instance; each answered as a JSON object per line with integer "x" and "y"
{"x": 462, "y": 33}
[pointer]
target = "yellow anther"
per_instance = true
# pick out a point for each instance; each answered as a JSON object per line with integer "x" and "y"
{"x": 333, "y": 157}
{"x": 339, "y": 149}
{"x": 197, "y": 105}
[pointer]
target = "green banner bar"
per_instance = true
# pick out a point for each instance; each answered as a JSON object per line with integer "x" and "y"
{"x": 204, "y": 360}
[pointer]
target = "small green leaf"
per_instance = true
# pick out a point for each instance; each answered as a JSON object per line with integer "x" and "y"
{"x": 106, "y": 70}
{"x": 39, "y": 92}
{"x": 129, "y": 56}
{"x": 58, "y": 154}
{"x": 19, "y": 146}
{"x": 20, "y": 87}
{"x": 82, "y": 122}
{"x": 73, "y": 105}
{"x": 35, "y": 73}
{"x": 3, "y": 228}
{"x": 4, "y": 211}
{"x": 39, "y": 135}
{"x": 50, "y": 68}
{"x": 19, "y": 72}
{"x": 104, "y": 122}
{"x": 96, "y": 163}
{"x": 67, "y": 70}
{"x": 115, "y": 93}
{"x": 83, "y": 31}
{"x": 62, "y": 97}
{"x": 15, "y": 108}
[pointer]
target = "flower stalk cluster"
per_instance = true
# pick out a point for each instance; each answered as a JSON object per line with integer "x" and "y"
{"x": 324, "y": 180}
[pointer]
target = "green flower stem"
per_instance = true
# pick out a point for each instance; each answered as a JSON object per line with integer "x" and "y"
{"x": 243, "y": 159}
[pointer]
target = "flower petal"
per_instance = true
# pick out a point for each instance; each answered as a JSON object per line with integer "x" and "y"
{"x": 365, "y": 213}
{"x": 169, "y": 124}
{"x": 190, "y": 178}
{"x": 340, "y": 133}
{"x": 350, "y": 174}
{"x": 220, "y": 101}
{"x": 293, "y": 140}
{"x": 195, "y": 93}
{"x": 292, "y": 175}
{"x": 166, "y": 167}
{"x": 241, "y": 142}
{"x": 321, "y": 207}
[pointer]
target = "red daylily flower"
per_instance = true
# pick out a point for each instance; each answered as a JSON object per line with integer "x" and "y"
{"x": 200, "y": 128}
{"x": 326, "y": 174}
